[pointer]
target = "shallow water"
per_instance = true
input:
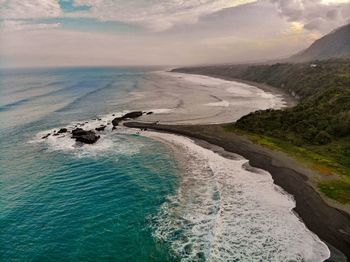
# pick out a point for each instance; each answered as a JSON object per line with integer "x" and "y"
{"x": 129, "y": 197}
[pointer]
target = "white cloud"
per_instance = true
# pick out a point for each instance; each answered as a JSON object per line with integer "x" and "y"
{"x": 330, "y": 2}
{"x": 29, "y": 9}
{"x": 232, "y": 35}
{"x": 256, "y": 31}
{"x": 17, "y": 25}
{"x": 317, "y": 15}
{"x": 157, "y": 15}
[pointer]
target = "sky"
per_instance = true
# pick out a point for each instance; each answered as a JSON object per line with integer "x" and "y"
{"x": 49, "y": 33}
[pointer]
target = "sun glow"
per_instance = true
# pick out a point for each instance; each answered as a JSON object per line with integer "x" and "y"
{"x": 329, "y": 2}
{"x": 296, "y": 27}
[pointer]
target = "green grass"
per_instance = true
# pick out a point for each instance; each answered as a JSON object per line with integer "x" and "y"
{"x": 329, "y": 160}
{"x": 336, "y": 189}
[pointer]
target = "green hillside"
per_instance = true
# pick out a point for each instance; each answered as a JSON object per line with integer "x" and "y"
{"x": 317, "y": 130}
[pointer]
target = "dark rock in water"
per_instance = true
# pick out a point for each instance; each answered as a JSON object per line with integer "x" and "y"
{"x": 87, "y": 137}
{"x": 108, "y": 124}
{"x": 77, "y": 132}
{"x": 101, "y": 128}
{"x": 149, "y": 113}
{"x": 56, "y": 134}
{"x": 46, "y": 136}
{"x": 62, "y": 130}
{"x": 116, "y": 121}
{"x": 99, "y": 119}
{"x": 133, "y": 114}
{"x": 113, "y": 114}
{"x": 114, "y": 128}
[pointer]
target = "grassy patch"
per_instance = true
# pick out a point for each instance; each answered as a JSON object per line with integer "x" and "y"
{"x": 336, "y": 189}
{"x": 328, "y": 160}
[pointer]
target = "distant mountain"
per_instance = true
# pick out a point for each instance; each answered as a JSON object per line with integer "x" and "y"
{"x": 333, "y": 45}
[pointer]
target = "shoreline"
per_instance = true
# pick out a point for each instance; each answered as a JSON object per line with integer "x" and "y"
{"x": 289, "y": 100}
{"x": 329, "y": 223}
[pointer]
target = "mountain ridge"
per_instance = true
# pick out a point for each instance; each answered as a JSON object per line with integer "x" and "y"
{"x": 336, "y": 44}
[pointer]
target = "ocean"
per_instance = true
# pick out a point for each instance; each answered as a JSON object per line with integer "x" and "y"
{"x": 131, "y": 196}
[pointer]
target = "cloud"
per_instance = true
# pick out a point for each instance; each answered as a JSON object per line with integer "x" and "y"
{"x": 18, "y": 25}
{"x": 157, "y": 15}
{"x": 188, "y": 32}
{"x": 67, "y": 48}
{"x": 232, "y": 35}
{"x": 317, "y": 15}
{"x": 30, "y": 9}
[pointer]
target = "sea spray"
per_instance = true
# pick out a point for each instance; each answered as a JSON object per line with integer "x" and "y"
{"x": 224, "y": 212}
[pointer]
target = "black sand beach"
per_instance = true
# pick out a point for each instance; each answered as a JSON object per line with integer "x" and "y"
{"x": 330, "y": 224}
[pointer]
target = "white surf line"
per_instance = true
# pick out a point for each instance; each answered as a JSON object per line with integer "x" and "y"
{"x": 230, "y": 86}
{"x": 225, "y": 212}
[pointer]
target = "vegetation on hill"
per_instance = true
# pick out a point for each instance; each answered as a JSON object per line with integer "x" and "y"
{"x": 323, "y": 113}
{"x": 317, "y": 130}
{"x": 334, "y": 44}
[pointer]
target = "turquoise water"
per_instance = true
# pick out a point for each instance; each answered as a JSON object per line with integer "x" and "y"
{"x": 59, "y": 205}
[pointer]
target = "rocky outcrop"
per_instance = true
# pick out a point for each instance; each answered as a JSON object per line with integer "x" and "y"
{"x": 62, "y": 130}
{"x": 90, "y": 136}
{"x": 116, "y": 121}
{"x": 46, "y": 136}
{"x": 77, "y": 132}
{"x": 101, "y": 128}
{"x": 83, "y": 136}
{"x": 131, "y": 115}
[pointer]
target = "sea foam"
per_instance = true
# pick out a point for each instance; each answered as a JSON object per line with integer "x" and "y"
{"x": 223, "y": 212}
{"x": 109, "y": 142}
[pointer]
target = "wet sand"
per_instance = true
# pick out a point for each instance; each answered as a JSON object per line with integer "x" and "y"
{"x": 330, "y": 224}
{"x": 177, "y": 98}
{"x": 287, "y": 98}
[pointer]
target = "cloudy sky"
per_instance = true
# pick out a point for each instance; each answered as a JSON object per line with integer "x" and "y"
{"x": 36, "y": 33}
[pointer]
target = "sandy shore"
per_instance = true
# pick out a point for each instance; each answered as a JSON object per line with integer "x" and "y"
{"x": 287, "y": 98}
{"x": 187, "y": 99}
{"x": 330, "y": 224}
